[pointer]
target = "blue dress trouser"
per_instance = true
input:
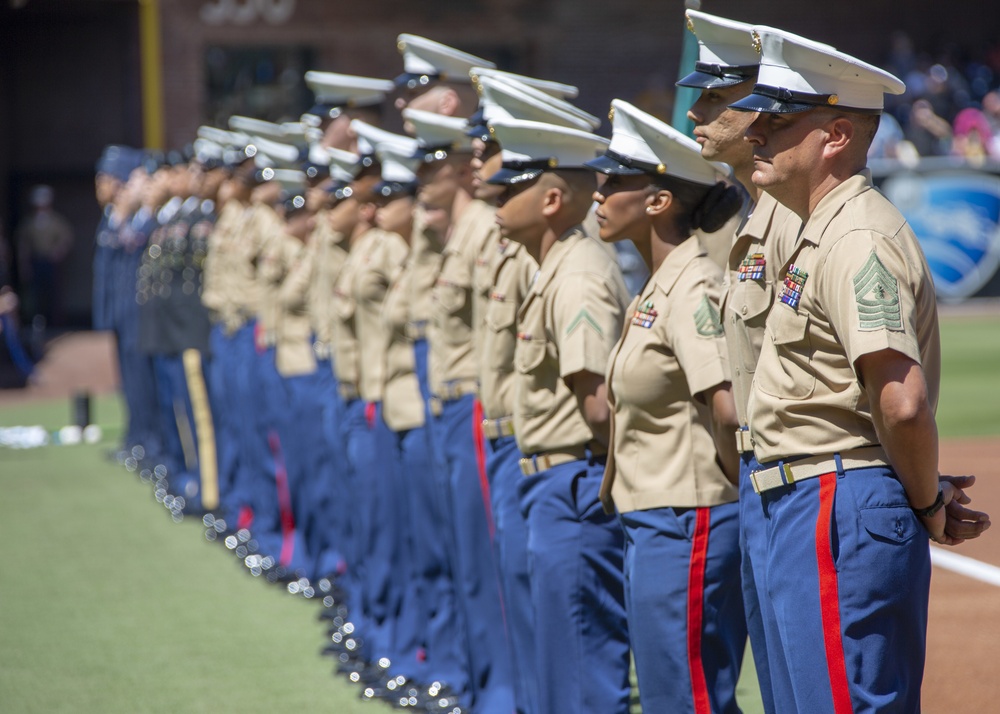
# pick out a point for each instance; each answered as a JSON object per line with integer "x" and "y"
{"x": 685, "y": 607}
{"x": 179, "y": 434}
{"x": 575, "y": 554}
{"x": 323, "y": 527}
{"x": 358, "y": 445}
{"x": 756, "y": 604}
{"x": 475, "y": 574}
{"x": 446, "y": 631}
{"x": 224, "y": 399}
{"x": 504, "y": 471}
{"x": 847, "y": 573}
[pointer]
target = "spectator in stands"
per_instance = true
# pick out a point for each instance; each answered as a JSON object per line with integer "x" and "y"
{"x": 44, "y": 239}
{"x": 929, "y": 133}
{"x": 973, "y": 137}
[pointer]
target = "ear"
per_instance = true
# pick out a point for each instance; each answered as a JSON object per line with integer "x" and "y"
{"x": 449, "y": 102}
{"x": 839, "y": 133}
{"x": 658, "y": 203}
{"x": 552, "y": 201}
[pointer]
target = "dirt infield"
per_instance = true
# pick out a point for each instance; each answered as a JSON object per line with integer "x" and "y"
{"x": 963, "y": 659}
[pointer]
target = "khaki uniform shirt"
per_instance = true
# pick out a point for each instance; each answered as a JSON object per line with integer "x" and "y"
{"x": 346, "y": 352}
{"x": 406, "y": 313}
{"x": 294, "y": 352}
{"x": 268, "y": 237}
{"x": 671, "y": 349}
{"x": 215, "y": 271}
{"x": 452, "y": 350}
{"x": 569, "y": 322}
{"x": 855, "y": 283}
{"x": 379, "y": 257}
{"x": 511, "y": 271}
{"x": 328, "y": 255}
{"x": 752, "y": 276}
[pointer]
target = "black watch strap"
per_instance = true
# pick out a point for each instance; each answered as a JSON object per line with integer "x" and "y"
{"x": 933, "y": 508}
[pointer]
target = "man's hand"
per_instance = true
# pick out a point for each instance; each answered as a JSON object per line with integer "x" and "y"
{"x": 961, "y": 523}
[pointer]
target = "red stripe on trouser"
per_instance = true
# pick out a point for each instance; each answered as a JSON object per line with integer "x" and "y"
{"x": 484, "y": 483}
{"x": 284, "y": 501}
{"x": 370, "y": 412}
{"x": 829, "y": 598}
{"x": 695, "y": 610}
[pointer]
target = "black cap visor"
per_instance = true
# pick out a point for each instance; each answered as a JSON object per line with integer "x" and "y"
{"x": 612, "y": 164}
{"x": 517, "y": 172}
{"x": 709, "y": 76}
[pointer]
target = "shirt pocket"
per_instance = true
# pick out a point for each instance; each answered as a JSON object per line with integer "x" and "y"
{"x": 748, "y": 303}
{"x": 790, "y": 376}
{"x": 537, "y": 381}
{"x": 500, "y": 315}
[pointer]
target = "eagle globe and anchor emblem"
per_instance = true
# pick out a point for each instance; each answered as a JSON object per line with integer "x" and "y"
{"x": 956, "y": 216}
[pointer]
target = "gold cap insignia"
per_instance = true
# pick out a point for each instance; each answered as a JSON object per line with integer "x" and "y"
{"x": 832, "y": 99}
{"x": 553, "y": 162}
{"x": 661, "y": 169}
{"x": 690, "y": 23}
{"x": 611, "y": 114}
{"x": 492, "y": 130}
{"x": 400, "y": 45}
{"x": 755, "y": 40}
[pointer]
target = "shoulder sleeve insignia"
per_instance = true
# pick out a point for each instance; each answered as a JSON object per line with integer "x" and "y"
{"x": 876, "y": 291}
{"x": 706, "y": 318}
{"x": 585, "y": 319}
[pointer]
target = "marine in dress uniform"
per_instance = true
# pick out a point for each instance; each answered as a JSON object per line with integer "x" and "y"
{"x": 725, "y": 72}
{"x": 567, "y": 326}
{"x": 672, "y": 470}
{"x": 405, "y": 313}
{"x": 446, "y": 186}
{"x": 502, "y": 276}
{"x": 841, "y": 410}
{"x": 435, "y": 78}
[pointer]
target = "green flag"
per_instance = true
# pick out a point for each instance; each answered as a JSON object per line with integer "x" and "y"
{"x": 684, "y": 97}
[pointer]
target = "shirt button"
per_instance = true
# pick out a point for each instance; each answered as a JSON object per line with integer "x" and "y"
{"x": 737, "y": 371}
{"x": 743, "y": 310}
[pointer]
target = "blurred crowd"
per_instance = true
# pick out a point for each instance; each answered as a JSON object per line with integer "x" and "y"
{"x": 951, "y": 106}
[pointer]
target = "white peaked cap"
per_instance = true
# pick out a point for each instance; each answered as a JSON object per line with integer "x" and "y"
{"x": 797, "y": 74}
{"x": 344, "y": 165}
{"x": 423, "y": 58}
{"x": 531, "y": 147}
{"x": 282, "y": 155}
{"x": 642, "y": 144}
{"x": 257, "y": 127}
{"x": 347, "y": 90}
{"x": 223, "y": 137}
{"x": 370, "y": 136}
{"x": 291, "y": 180}
{"x": 297, "y": 132}
{"x": 502, "y": 98}
{"x": 397, "y": 158}
{"x": 553, "y": 89}
{"x": 318, "y": 155}
{"x": 207, "y": 149}
{"x": 722, "y": 41}
{"x": 437, "y": 131}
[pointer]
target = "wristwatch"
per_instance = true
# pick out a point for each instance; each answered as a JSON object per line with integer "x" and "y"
{"x": 933, "y": 508}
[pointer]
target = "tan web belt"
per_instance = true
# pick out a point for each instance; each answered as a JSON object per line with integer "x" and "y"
{"x": 788, "y": 472}
{"x": 498, "y": 428}
{"x": 743, "y": 441}
{"x": 531, "y": 465}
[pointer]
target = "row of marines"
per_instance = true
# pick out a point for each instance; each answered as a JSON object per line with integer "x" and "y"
{"x": 433, "y": 396}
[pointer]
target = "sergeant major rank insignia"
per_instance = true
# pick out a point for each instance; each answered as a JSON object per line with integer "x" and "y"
{"x": 791, "y": 289}
{"x": 752, "y": 267}
{"x": 644, "y": 315}
{"x": 876, "y": 291}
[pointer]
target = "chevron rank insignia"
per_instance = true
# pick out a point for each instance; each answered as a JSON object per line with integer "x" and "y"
{"x": 791, "y": 289}
{"x": 706, "y": 319}
{"x": 644, "y": 315}
{"x": 583, "y": 318}
{"x": 752, "y": 267}
{"x": 876, "y": 291}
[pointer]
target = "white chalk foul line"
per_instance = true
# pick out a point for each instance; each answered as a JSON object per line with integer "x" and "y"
{"x": 965, "y": 565}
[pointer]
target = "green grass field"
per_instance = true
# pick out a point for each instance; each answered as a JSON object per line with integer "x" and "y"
{"x": 106, "y": 605}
